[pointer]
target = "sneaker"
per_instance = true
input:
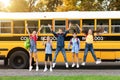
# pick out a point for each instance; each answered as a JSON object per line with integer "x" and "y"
{"x": 98, "y": 62}
{"x": 51, "y": 69}
{"x": 66, "y": 64}
{"x": 45, "y": 69}
{"x": 73, "y": 65}
{"x": 83, "y": 64}
{"x": 30, "y": 68}
{"x": 54, "y": 65}
{"x": 77, "y": 66}
{"x": 37, "y": 68}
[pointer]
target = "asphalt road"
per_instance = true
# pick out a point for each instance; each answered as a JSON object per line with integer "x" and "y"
{"x": 109, "y": 68}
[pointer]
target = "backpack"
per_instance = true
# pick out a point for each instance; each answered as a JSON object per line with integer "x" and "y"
{"x": 27, "y": 43}
{"x": 72, "y": 43}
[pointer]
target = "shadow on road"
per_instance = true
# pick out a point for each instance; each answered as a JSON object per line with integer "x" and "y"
{"x": 104, "y": 65}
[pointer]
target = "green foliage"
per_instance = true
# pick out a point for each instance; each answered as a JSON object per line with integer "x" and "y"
{"x": 60, "y": 5}
{"x": 90, "y": 5}
{"x": 48, "y": 5}
{"x": 68, "y": 5}
{"x": 115, "y": 5}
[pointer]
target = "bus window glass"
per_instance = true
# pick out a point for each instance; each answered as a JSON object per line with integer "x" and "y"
{"x": 5, "y": 26}
{"x": 115, "y": 25}
{"x": 74, "y": 28}
{"x": 18, "y": 27}
{"x": 45, "y": 28}
{"x": 60, "y": 24}
{"x": 88, "y": 24}
{"x": 32, "y": 25}
{"x": 102, "y": 25}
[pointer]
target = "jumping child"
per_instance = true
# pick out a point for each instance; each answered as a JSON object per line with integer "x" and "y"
{"x": 75, "y": 42}
{"x": 48, "y": 53}
{"x": 33, "y": 50}
{"x": 89, "y": 46}
{"x": 60, "y": 44}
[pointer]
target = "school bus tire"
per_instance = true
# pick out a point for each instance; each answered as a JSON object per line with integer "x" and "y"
{"x": 5, "y": 62}
{"x": 19, "y": 60}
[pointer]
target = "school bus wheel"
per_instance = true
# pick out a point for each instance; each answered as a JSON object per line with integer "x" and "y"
{"x": 19, "y": 60}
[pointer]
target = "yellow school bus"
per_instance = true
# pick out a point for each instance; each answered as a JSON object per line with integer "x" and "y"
{"x": 13, "y": 34}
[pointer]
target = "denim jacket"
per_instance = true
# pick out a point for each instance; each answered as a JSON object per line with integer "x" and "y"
{"x": 60, "y": 38}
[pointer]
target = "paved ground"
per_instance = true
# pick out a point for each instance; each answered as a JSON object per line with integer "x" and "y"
{"x": 89, "y": 69}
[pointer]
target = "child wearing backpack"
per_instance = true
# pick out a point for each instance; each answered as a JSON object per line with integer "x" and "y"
{"x": 75, "y": 42}
{"x": 48, "y": 53}
{"x": 33, "y": 50}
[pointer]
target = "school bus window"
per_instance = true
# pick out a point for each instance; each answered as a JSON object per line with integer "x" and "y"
{"x": 102, "y": 25}
{"x": 19, "y": 27}
{"x": 88, "y": 24}
{"x": 115, "y": 25}
{"x": 32, "y": 25}
{"x": 5, "y": 26}
{"x": 60, "y": 24}
{"x": 45, "y": 28}
{"x": 74, "y": 27}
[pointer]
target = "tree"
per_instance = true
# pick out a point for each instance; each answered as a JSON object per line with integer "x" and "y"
{"x": 115, "y": 5}
{"x": 90, "y": 5}
{"x": 18, "y": 6}
{"x": 41, "y": 6}
{"x": 68, "y": 5}
{"x": 48, "y": 5}
{"x": 31, "y": 5}
{"x": 53, "y": 4}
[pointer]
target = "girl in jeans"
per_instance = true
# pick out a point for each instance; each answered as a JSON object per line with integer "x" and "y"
{"x": 89, "y": 46}
{"x": 33, "y": 50}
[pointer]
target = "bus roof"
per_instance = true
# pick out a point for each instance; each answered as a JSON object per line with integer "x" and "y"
{"x": 68, "y": 15}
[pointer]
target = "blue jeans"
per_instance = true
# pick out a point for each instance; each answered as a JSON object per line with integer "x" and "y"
{"x": 63, "y": 53}
{"x": 87, "y": 48}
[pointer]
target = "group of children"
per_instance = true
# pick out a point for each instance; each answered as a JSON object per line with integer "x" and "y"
{"x": 60, "y": 35}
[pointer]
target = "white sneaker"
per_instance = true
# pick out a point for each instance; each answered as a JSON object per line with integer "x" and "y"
{"x": 83, "y": 64}
{"x": 66, "y": 64}
{"x": 77, "y": 66}
{"x": 37, "y": 68}
{"x": 30, "y": 68}
{"x": 51, "y": 69}
{"x": 73, "y": 65}
{"x": 45, "y": 69}
{"x": 98, "y": 62}
{"x": 54, "y": 65}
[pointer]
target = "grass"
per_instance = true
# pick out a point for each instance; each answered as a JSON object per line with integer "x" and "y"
{"x": 81, "y": 77}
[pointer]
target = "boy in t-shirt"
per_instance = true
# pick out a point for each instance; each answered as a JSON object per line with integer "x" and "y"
{"x": 48, "y": 53}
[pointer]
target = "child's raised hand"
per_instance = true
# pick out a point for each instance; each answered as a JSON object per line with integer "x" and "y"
{"x": 49, "y": 25}
{"x": 70, "y": 24}
{"x": 42, "y": 26}
{"x": 77, "y": 25}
